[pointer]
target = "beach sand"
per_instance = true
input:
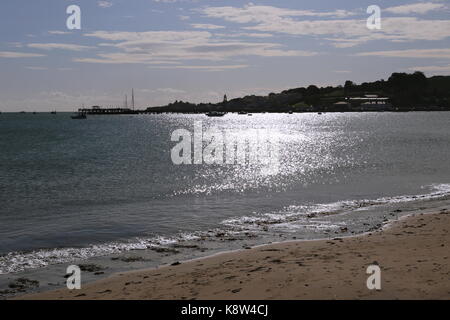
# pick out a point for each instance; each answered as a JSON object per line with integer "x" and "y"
{"x": 413, "y": 255}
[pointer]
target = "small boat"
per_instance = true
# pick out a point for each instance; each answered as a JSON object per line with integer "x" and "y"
{"x": 242, "y": 112}
{"x": 291, "y": 112}
{"x": 215, "y": 114}
{"x": 79, "y": 115}
{"x": 319, "y": 113}
{"x": 249, "y": 114}
{"x": 53, "y": 112}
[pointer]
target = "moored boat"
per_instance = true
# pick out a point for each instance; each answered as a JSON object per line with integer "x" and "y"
{"x": 215, "y": 114}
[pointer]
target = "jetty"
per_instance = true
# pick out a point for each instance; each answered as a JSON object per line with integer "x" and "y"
{"x": 99, "y": 110}
{"x": 112, "y": 110}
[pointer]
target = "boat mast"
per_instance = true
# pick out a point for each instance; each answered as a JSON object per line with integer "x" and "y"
{"x": 132, "y": 98}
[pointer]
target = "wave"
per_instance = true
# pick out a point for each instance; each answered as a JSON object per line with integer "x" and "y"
{"x": 295, "y": 213}
{"x": 246, "y": 225}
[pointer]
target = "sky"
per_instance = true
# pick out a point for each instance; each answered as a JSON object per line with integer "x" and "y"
{"x": 199, "y": 50}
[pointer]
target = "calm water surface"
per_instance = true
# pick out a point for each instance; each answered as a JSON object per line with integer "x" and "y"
{"x": 75, "y": 189}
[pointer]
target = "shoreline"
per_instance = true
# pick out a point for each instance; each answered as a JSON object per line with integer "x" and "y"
{"x": 297, "y": 269}
{"x": 52, "y": 277}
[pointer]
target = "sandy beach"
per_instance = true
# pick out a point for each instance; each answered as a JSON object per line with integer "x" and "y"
{"x": 413, "y": 255}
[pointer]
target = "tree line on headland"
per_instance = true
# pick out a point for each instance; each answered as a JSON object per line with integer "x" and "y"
{"x": 406, "y": 92}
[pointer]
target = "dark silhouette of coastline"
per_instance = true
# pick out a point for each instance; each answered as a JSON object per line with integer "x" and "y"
{"x": 401, "y": 92}
{"x": 404, "y": 92}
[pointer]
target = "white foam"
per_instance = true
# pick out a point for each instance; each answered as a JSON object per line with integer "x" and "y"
{"x": 293, "y": 214}
{"x": 286, "y": 219}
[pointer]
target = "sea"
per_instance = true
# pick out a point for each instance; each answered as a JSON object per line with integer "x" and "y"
{"x": 105, "y": 191}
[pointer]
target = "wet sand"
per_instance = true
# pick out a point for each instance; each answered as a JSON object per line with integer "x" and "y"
{"x": 413, "y": 255}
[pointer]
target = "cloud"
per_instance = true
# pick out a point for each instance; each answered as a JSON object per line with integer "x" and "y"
{"x": 123, "y": 58}
{"x": 61, "y": 46}
{"x": 169, "y": 90}
{"x": 256, "y": 14}
{"x": 419, "y": 8}
{"x": 150, "y": 36}
{"x": 58, "y": 32}
{"x": 411, "y": 53}
{"x": 355, "y": 32}
{"x": 433, "y": 70}
{"x": 206, "y": 26}
{"x": 244, "y": 34}
{"x": 104, "y": 4}
{"x": 155, "y": 47}
{"x": 10, "y": 54}
{"x": 218, "y": 68}
{"x": 342, "y": 33}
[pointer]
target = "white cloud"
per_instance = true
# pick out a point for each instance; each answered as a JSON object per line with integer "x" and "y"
{"x": 206, "y": 26}
{"x": 419, "y": 8}
{"x": 355, "y": 32}
{"x": 174, "y": 46}
{"x": 58, "y": 32}
{"x": 150, "y": 36}
{"x": 341, "y": 32}
{"x": 123, "y": 58}
{"x": 104, "y": 4}
{"x": 217, "y": 68}
{"x": 61, "y": 46}
{"x": 244, "y": 34}
{"x": 411, "y": 53}
{"x": 10, "y": 54}
{"x": 256, "y": 14}
{"x": 433, "y": 70}
{"x": 169, "y": 90}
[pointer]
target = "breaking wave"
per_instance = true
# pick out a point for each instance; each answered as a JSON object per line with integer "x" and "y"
{"x": 245, "y": 225}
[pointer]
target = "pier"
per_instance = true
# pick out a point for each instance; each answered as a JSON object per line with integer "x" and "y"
{"x": 112, "y": 110}
{"x": 98, "y": 110}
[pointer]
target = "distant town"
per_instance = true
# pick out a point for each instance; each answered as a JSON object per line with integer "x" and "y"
{"x": 401, "y": 92}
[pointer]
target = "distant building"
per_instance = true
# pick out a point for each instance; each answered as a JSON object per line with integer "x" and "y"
{"x": 371, "y": 102}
